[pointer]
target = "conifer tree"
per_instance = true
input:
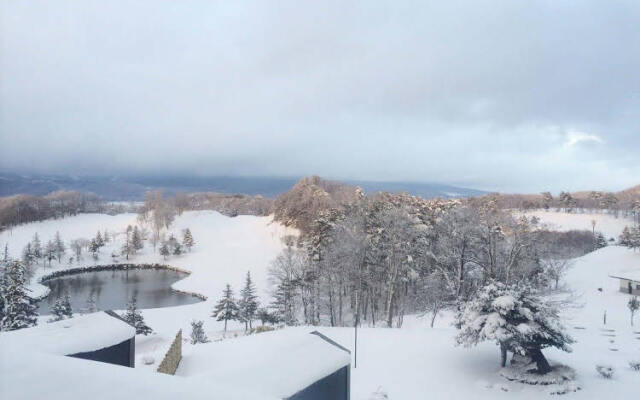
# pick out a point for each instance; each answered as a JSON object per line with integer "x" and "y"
{"x": 20, "y": 310}
{"x": 61, "y": 309}
{"x": 283, "y": 303}
{"x": 134, "y": 317}
{"x": 600, "y": 241}
{"x": 136, "y": 240}
{"x": 516, "y": 318}
{"x": 197, "y": 333}
{"x": 187, "y": 239}
{"x": 248, "y": 304}
{"x": 36, "y": 247}
{"x": 50, "y": 251}
{"x": 99, "y": 240}
{"x": 164, "y": 250}
{"x": 226, "y": 309}
{"x": 59, "y": 246}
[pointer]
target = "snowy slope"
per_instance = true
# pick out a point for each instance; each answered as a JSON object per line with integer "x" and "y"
{"x": 610, "y": 226}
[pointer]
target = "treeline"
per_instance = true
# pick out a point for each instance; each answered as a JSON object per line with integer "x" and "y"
{"x": 20, "y": 209}
{"x": 626, "y": 203}
{"x": 386, "y": 255}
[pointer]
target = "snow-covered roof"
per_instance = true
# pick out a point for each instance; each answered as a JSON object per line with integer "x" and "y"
{"x": 278, "y": 364}
{"x": 70, "y": 336}
{"x": 26, "y": 374}
{"x": 632, "y": 274}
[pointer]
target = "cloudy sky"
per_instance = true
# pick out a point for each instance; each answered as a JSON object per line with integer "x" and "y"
{"x": 500, "y": 95}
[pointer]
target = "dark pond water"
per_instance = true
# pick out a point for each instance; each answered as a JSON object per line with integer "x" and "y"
{"x": 113, "y": 289}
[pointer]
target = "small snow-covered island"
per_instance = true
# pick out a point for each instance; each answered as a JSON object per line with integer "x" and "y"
{"x": 325, "y": 292}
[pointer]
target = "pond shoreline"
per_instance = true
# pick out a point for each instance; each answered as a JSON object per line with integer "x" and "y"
{"x": 115, "y": 267}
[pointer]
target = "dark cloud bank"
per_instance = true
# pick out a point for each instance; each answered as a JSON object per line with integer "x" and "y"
{"x": 512, "y": 96}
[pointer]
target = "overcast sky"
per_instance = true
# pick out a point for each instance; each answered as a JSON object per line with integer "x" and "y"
{"x": 502, "y": 95}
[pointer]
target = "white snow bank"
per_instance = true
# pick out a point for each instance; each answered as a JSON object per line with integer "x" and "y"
{"x": 28, "y": 375}
{"x": 610, "y": 226}
{"x": 76, "y": 335}
{"x": 278, "y": 363}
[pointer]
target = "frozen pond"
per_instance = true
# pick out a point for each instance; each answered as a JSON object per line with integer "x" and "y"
{"x": 112, "y": 289}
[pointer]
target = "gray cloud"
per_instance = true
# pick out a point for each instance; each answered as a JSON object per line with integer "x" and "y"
{"x": 497, "y": 95}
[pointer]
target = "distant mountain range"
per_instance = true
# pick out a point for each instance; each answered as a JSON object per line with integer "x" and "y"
{"x": 133, "y": 188}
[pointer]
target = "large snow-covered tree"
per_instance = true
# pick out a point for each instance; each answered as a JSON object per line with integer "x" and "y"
{"x": 134, "y": 317}
{"x": 248, "y": 304}
{"x": 516, "y": 318}
{"x": 226, "y": 309}
{"x": 20, "y": 310}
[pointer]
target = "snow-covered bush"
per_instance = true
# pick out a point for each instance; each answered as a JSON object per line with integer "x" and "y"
{"x": 634, "y": 365}
{"x": 197, "y": 333}
{"x": 514, "y": 317}
{"x": 61, "y": 309}
{"x": 606, "y": 371}
{"x": 134, "y": 317}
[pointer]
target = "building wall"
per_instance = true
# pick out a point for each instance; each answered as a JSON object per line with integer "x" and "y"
{"x": 335, "y": 387}
{"x": 635, "y": 286}
{"x": 119, "y": 354}
{"x": 171, "y": 360}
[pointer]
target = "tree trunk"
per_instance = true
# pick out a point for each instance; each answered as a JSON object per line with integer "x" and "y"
{"x": 541, "y": 362}
{"x": 503, "y": 355}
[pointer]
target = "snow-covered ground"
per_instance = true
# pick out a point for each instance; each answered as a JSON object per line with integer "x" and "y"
{"x": 609, "y": 225}
{"x": 414, "y": 362}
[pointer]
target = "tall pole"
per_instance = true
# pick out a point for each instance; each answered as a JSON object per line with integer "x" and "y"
{"x": 355, "y": 346}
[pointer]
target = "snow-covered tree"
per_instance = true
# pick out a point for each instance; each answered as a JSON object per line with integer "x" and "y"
{"x": 177, "y": 249}
{"x": 99, "y": 239}
{"x": 134, "y": 317}
{"x": 226, "y": 309}
{"x": 36, "y": 247}
{"x": 94, "y": 248}
{"x": 28, "y": 256}
{"x": 283, "y": 304}
{"x": 599, "y": 241}
{"x": 50, "y": 251}
{"x": 555, "y": 269}
{"x": 633, "y": 305}
{"x": 20, "y": 310}
{"x": 625, "y": 239}
{"x": 164, "y": 250}
{"x": 197, "y": 333}
{"x": 61, "y": 309}
{"x": 136, "y": 240}
{"x": 127, "y": 246}
{"x": 265, "y": 316}
{"x": 248, "y": 304}
{"x": 187, "y": 239}
{"x": 60, "y": 247}
{"x": 77, "y": 245}
{"x": 516, "y": 318}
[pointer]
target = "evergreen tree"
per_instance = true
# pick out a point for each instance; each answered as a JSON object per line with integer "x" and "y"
{"x": 28, "y": 258}
{"x": 514, "y": 317}
{"x": 172, "y": 242}
{"x": 283, "y": 303}
{"x": 134, "y": 317}
{"x": 187, "y": 239}
{"x": 177, "y": 249}
{"x": 248, "y": 304}
{"x": 633, "y": 305}
{"x": 61, "y": 309}
{"x": 600, "y": 241}
{"x": 94, "y": 248}
{"x": 20, "y": 310}
{"x": 36, "y": 247}
{"x": 127, "y": 246}
{"x": 164, "y": 250}
{"x": 50, "y": 251}
{"x": 197, "y": 333}
{"x": 99, "y": 240}
{"x": 265, "y": 316}
{"x": 226, "y": 309}
{"x": 626, "y": 238}
{"x": 59, "y": 246}
{"x": 136, "y": 240}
